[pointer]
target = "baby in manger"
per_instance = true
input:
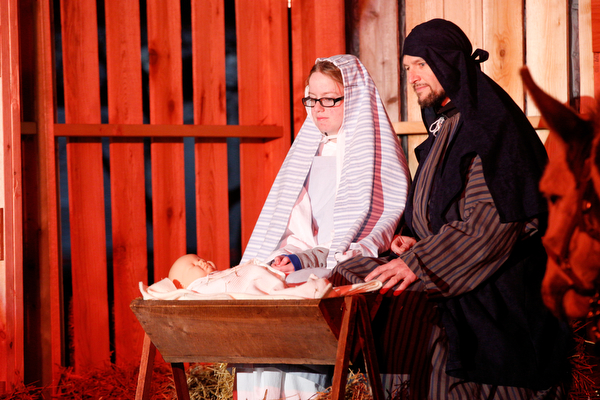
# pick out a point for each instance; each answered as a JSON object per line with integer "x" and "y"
{"x": 193, "y": 278}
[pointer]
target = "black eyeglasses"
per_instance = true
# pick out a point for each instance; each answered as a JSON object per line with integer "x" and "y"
{"x": 325, "y": 101}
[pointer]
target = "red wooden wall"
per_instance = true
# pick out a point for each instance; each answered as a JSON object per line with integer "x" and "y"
{"x": 41, "y": 328}
{"x": 96, "y": 325}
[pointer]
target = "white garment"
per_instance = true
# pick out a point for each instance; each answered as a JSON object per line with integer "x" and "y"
{"x": 274, "y": 384}
{"x": 253, "y": 280}
{"x": 321, "y": 191}
{"x": 249, "y": 281}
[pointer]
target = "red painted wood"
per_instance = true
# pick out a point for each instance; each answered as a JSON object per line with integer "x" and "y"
{"x": 86, "y": 193}
{"x": 11, "y": 278}
{"x": 166, "y": 107}
{"x": 213, "y": 132}
{"x": 130, "y": 262}
{"x": 596, "y": 26}
{"x": 263, "y": 82}
{"x": 212, "y": 192}
{"x": 312, "y": 22}
{"x": 53, "y": 351}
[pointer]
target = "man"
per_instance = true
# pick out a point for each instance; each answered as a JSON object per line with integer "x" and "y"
{"x": 467, "y": 280}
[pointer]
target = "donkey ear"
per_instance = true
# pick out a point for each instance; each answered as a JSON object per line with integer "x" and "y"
{"x": 561, "y": 119}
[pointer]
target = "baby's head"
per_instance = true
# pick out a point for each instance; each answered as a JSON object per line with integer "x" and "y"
{"x": 190, "y": 267}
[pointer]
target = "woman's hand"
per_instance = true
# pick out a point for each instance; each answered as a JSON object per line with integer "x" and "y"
{"x": 400, "y": 244}
{"x": 283, "y": 264}
{"x": 396, "y": 272}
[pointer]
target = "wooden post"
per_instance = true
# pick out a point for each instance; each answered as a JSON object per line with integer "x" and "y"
{"x": 127, "y": 178}
{"x": 11, "y": 288}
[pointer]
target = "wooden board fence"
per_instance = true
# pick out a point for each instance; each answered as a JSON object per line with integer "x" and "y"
{"x": 275, "y": 48}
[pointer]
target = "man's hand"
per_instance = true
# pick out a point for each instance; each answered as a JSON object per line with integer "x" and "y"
{"x": 400, "y": 244}
{"x": 391, "y": 274}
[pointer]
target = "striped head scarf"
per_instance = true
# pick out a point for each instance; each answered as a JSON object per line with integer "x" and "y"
{"x": 372, "y": 184}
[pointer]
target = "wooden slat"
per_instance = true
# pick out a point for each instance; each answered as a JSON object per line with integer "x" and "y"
{"x": 53, "y": 353}
{"x": 86, "y": 194}
{"x": 166, "y": 107}
{"x": 468, "y": 15}
{"x": 11, "y": 271}
{"x": 416, "y": 12}
{"x": 379, "y": 50}
{"x": 266, "y": 132}
{"x": 210, "y": 108}
{"x": 595, "y": 28}
{"x": 503, "y": 39}
{"x": 595, "y": 10}
{"x": 243, "y": 330}
{"x": 586, "y": 55}
{"x": 128, "y": 197}
{"x": 547, "y": 48}
{"x": 167, "y": 131}
{"x": 263, "y": 82}
{"x": 417, "y": 127}
{"x": 311, "y": 21}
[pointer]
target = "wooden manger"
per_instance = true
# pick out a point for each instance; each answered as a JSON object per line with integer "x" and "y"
{"x": 322, "y": 331}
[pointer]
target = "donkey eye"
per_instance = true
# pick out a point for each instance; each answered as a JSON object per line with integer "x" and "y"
{"x": 553, "y": 198}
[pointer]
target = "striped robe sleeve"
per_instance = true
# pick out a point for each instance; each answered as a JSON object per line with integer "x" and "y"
{"x": 466, "y": 252}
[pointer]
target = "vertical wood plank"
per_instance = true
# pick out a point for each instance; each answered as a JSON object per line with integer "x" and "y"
{"x": 11, "y": 272}
{"x": 263, "y": 81}
{"x": 313, "y": 20}
{"x": 586, "y": 54}
{"x": 128, "y": 205}
{"x": 416, "y": 12}
{"x": 595, "y": 11}
{"x": 547, "y": 48}
{"x": 86, "y": 192}
{"x": 379, "y": 50}
{"x": 53, "y": 352}
{"x": 503, "y": 39}
{"x": 210, "y": 108}
{"x": 468, "y": 15}
{"x": 166, "y": 107}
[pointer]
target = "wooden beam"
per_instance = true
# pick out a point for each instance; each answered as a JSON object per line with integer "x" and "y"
{"x": 146, "y": 130}
{"x": 417, "y": 127}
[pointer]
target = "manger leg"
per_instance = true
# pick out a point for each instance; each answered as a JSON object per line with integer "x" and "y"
{"x": 146, "y": 366}
{"x": 340, "y": 374}
{"x": 368, "y": 349}
{"x": 180, "y": 380}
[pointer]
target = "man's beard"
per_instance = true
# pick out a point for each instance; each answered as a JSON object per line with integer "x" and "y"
{"x": 432, "y": 99}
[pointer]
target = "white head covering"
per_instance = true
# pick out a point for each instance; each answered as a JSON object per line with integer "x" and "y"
{"x": 373, "y": 181}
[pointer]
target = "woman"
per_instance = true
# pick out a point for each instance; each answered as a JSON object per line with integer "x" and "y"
{"x": 342, "y": 187}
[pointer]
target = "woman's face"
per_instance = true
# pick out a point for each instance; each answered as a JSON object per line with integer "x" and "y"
{"x": 328, "y": 119}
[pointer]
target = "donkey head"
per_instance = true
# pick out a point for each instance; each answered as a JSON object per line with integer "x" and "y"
{"x": 571, "y": 183}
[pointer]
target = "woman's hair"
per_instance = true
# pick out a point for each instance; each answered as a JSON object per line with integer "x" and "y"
{"x": 327, "y": 68}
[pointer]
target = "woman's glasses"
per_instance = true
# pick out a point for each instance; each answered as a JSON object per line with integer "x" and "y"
{"x": 325, "y": 101}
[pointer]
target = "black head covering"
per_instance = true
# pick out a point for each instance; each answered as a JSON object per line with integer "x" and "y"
{"x": 492, "y": 126}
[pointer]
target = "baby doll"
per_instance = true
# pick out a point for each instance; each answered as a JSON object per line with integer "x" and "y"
{"x": 186, "y": 269}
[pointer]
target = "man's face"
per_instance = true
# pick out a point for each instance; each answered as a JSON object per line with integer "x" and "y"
{"x": 420, "y": 76}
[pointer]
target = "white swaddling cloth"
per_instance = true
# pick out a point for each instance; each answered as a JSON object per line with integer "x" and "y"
{"x": 252, "y": 280}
